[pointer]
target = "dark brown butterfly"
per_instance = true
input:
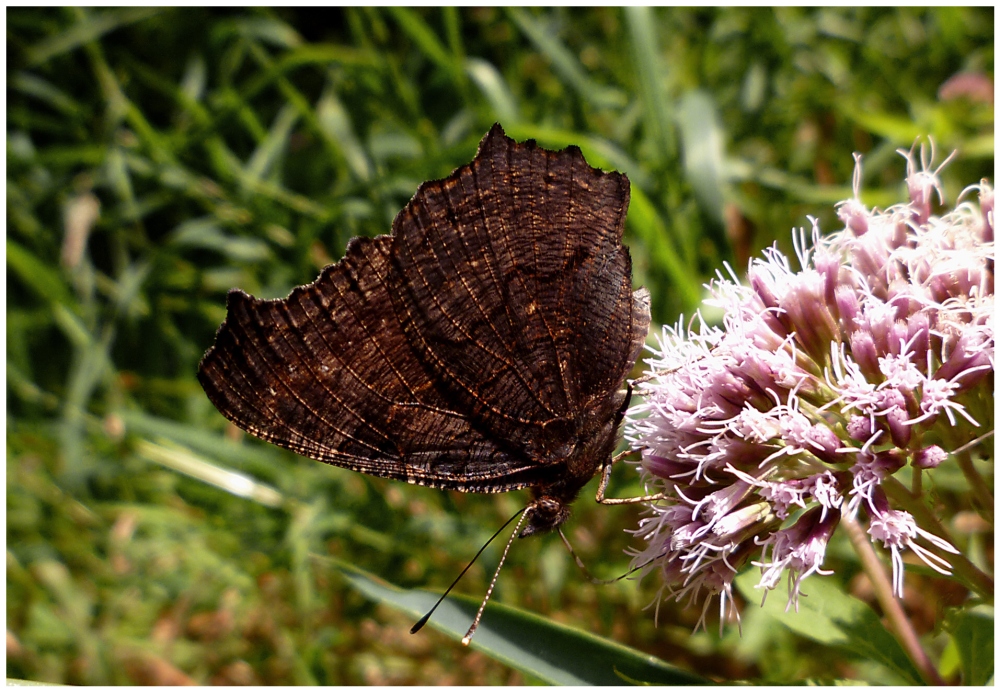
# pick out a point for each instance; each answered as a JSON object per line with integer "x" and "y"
{"x": 480, "y": 346}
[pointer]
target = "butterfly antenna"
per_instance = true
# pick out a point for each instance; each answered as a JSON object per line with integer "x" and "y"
{"x": 423, "y": 621}
{"x": 489, "y": 592}
{"x": 586, "y": 572}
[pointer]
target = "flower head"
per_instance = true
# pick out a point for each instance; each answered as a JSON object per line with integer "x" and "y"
{"x": 821, "y": 384}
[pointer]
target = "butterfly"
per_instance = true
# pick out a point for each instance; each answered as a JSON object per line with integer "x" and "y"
{"x": 481, "y": 346}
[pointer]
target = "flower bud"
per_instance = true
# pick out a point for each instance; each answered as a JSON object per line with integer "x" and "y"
{"x": 846, "y": 299}
{"x": 929, "y": 457}
{"x": 864, "y": 354}
{"x": 860, "y": 428}
{"x": 896, "y": 420}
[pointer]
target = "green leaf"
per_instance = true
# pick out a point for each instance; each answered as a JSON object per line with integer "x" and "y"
{"x": 40, "y": 277}
{"x": 564, "y": 63}
{"x": 653, "y": 78}
{"x": 972, "y": 631}
{"x": 702, "y": 144}
{"x": 90, "y": 26}
{"x": 495, "y": 89}
{"x": 829, "y": 616}
{"x": 269, "y": 152}
{"x": 426, "y": 40}
{"x": 553, "y": 653}
{"x": 644, "y": 221}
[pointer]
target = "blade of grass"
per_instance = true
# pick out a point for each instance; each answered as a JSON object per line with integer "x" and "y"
{"x": 702, "y": 144}
{"x": 252, "y": 457}
{"x": 205, "y": 232}
{"x": 89, "y": 26}
{"x": 46, "y": 282}
{"x": 645, "y": 222}
{"x": 120, "y": 180}
{"x": 91, "y": 364}
{"x": 453, "y": 30}
{"x": 47, "y": 92}
{"x": 798, "y": 187}
{"x": 75, "y": 610}
{"x": 491, "y": 83}
{"x": 24, "y": 387}
{"x": 189, "y": 464}
{"x": 297, "y": 99}
{"x": 269, "y": 29}
{"x": 335, "y": 124}
{"x": 423, "y": 36}
{"x": 267, "y": 154}
{"x": 548, "y": 651}
{"x": 564, "y": 63}
{"x": 321, "y": 55}
{"x": 653, "y": 80}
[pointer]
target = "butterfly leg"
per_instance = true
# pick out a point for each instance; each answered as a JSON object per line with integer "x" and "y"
{"x": 606, "y": 469}
{"x": 642, "y": 379}
{"x": 606, "y": 475}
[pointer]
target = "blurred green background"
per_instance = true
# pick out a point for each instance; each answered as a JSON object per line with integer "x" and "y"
{"x": 158, "y": 157}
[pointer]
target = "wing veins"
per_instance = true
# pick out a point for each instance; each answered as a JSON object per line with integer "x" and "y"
{"x": 364, "y": 326}
{"x": 475, "y": 299}
{"x": 294, "y": 435}
{"x": 570, "y": 401}
{"x": 298, "y": 398}
{"x": 342, "y": 402}
{"x": 459, "y": 328}
{"x": 506, "y": 247}
{"x": 400, "y": 471}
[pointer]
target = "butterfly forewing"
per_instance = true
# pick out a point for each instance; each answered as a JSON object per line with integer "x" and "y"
{"x": 512, "y": 269}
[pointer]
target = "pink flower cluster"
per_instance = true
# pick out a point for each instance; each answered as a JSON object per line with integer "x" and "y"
{"x": 820, "y": 385}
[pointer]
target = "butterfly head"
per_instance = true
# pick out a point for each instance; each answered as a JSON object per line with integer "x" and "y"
{"x": 544, "y": 514}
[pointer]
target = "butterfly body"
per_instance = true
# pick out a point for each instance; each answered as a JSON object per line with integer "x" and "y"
{"x": 480, "y": 347}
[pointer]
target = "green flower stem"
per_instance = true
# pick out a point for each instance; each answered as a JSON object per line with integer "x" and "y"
{"x": 970, "y": 575}
{"x": 981, "y": 495}
{"x": 898, "y": 622}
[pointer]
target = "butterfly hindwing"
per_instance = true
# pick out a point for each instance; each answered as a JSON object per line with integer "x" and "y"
{"x": 328, "y": 373}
